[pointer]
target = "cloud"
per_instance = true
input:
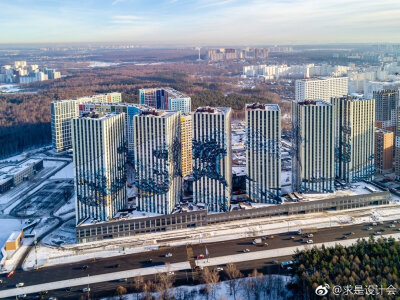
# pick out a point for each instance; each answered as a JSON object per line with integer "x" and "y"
{"x": 116, "y": 2}
{"x": 130, "y": 19}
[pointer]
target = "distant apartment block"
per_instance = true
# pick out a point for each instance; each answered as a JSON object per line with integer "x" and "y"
{"x": 254, "y": 53}
{"x": 186, "y": 140}
{"x": 99, "y": 160}
{"x": 313, "y": 146}
{"x": 212, "y": 160}
{"x": 14, "y": 174}
{"x": 323, "y": 88}
{"x": 383, "y": 150}
{"x": 165, "y": 98}
{"x": 354, "y": 138}
{"x": 270, "y": 72}
{"x": 157, "y": 160}
{"x": 263, "y": 153}
{"x": 23, "y": 73}
{"x": 63, "y": 111}
{"x": 222, "y": 54}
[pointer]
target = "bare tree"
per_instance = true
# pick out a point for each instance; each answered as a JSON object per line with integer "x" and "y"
{"x": 233, "y": 274}
{"x": 165, "y": 281}
{"x": 256, "y": 283}
{"x": 211, "y": 278}
{"x": 138, "y": 285}
{"x": 148, "y": 287}
{"x": 121, "y": 291}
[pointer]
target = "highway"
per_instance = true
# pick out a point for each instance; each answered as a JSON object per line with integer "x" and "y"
{"x": 179, "y": 254}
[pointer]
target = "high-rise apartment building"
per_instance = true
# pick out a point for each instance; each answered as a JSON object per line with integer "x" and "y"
{"x": 383, "y": 150}
{"x": 157, "y": 160}
{"x": 186, "y": 138}
{"x": 263, "y": 153}
{"x": 63, "y": 111}
{"x": 165, "y": 98}
{"x": 323, "y": 88}
{"x": 354, "y": 138}
{"x": 386, "y": 103}
{"x": 129, "y": 109}
{"x": 212, "y": 161}
{"x": 99, "y": 161}
{"x": 313, "y": 142}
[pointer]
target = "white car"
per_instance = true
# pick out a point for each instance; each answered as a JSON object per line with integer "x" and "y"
{"x": 246, "y": 250}
{"x": 171, "y": 273}
{"x": 310, "y": 235}
{"x": 310, "y": 241}
{"x": 21, "y": 284}
{"x": 168, "y": 254}
{"x": 85, "y": 290}
{"x": 219, "y": 269}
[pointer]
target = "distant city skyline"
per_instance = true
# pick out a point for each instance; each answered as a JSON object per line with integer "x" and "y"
{"x": 200, "y": 22}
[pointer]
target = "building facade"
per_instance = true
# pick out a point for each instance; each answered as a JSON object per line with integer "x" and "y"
{"x": 129, "y": 109}
{"x": 386, "y": 103}
{"x": 313, "y": 146}
{"x": 263, "y": 154}
{"x": 157, "y": 160}
{"x": 186, "y": 140}
{"x": 212, "y": 161}
{"x": 165, "y": 98}
{"x": 354, "y": 138}
{"x": 321, "y": 88}
{"x": 63, "y": 111}
{"x": 61, "y": 114}
{"x": 99, "y": 164}
{"x": 383, "y": 150}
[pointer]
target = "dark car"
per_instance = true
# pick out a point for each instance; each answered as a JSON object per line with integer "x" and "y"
{"x": 84, "y": 267}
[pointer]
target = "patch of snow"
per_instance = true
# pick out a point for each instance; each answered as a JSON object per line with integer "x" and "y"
{"x": 66, "y": 173}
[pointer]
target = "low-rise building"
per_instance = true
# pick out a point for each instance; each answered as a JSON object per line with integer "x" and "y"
{"x": 13, "y": 174}
{"x": 14, "y": 240}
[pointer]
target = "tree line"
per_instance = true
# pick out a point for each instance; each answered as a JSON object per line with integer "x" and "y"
{"x": 367, "y": 263}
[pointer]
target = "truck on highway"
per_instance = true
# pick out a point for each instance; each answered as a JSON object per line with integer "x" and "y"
{"x": 257, "y": 241}
{"x": 306, "y": 231}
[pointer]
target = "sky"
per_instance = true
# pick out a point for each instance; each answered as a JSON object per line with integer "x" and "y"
{"x": 200, "y": 22}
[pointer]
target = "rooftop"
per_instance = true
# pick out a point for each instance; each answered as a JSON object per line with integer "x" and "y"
{"x": 172, "y": 93}
{"x": 157, "y": 113}
{"x": 14, "y": 235}
{"x": 314, "y": 103}
{"x": 320, "y": 78}
{"x": 212, "y": 110}
{"x": 6, "y": 172}
{"x": 262, "y": 106}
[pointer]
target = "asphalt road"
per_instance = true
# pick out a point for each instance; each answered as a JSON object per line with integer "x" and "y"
{"x": 141, "y": 260}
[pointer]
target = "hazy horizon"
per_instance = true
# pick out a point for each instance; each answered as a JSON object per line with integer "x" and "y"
{"x": 200, "y": 22}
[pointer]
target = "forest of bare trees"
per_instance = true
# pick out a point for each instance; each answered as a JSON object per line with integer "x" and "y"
{"x": 237, "y": 286}
{"x": 25, "y": 117}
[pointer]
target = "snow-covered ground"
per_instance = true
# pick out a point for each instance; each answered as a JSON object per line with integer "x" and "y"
{"x": 101, "y": 64}
{"x": 63, "y": 235}
{"x": 66, "y": 173}
{"x": 272, "y": 287}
